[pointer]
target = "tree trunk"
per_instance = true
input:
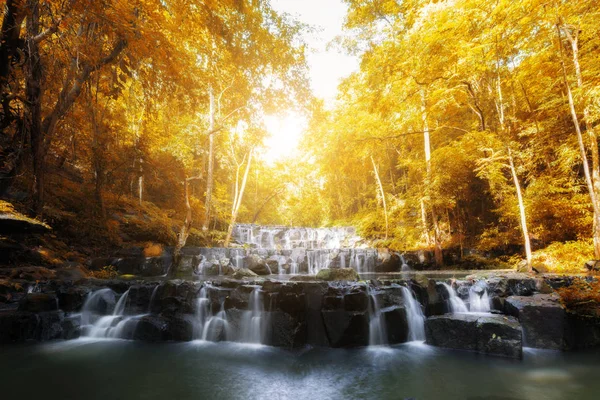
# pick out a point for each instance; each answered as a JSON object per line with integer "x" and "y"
{"x": 385, "y": 213}
{"x": 184, "y": 232}
{"x": 141, "y": 181}
{"x": 593, "y": 139}
{"x": 98, "y": 164}
{"x": 238, "y": 202}
{"x": 33, "y": 78}
{"x": 524, "y": 229}
{"x": 439, "y": 260}
{"x": 582, "y": 151}
{"x": 211, "y": 157}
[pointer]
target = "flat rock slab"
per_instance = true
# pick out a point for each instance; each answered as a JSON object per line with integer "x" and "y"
{"x": 483, "y": 333}
{"x": 543, "y": 318}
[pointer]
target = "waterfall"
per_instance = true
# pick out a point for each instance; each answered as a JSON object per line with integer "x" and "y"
{"x": 95, "y": 318}
{"x": 479, "y": 300}
{"x": 253, "y": 328}
{"x": 152, "y": 296}
{"x": 377, "y": 328}
{"x": 217, "y": 327}
{"x": 209, "y": 327}
{"x": 456, "y": 304}
{"x": 202, "y": 313}
{"x": 414, "y": 316}
{"x": 405, "y": 267}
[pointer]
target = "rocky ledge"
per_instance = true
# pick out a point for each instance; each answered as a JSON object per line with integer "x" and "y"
{"x": 524, "y": 311}
{"x": 488, "y": 334}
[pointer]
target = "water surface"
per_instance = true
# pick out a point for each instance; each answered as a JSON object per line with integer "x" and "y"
{"x": 117, "y": 369}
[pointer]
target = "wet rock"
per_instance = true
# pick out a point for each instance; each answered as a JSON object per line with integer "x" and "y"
{"x": 357, "y": 301}
{"x": 21, "y": 326}
{"x": 32, "y": 273}
{"x": 494, "y": 334}
{"x": 303, "y": 278}
{"x": 72, "y": 274}
{"x": 39, "y": 302}
{"x": 150, "y": 328}
{"x": 346, "y": 329}
{"x": 387, "y": 261}
{"x": 243, "y": 273}
{"x": 584, "y": 331}
{"x": 71, "y": 327}
{"x": 144, "y": 266}
{"x": 521, "y": 287}
{"x": 291, "y": 303}
{"x": 72, "y": 298}
{"x": 337, "y": 274}
{"x": 180, "y": 327}
{"x": 333, "y": 302}
{"x": 543, "y": 318}
{"x": 396, "y": 324}
{"x": 285, "y": 330}
{"x": 257, "y": 265}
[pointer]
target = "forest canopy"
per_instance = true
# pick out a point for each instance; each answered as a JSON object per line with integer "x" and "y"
{"x": 469, "y": 124}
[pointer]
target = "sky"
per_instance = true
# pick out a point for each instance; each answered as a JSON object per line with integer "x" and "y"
{"x": 327, "y": 67}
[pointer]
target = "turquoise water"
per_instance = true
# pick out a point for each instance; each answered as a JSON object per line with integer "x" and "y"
{"x": 84, "y": 369}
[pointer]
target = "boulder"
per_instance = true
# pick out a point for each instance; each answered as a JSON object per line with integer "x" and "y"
{"x": 144, "y": 266}
{"x": 257, "y": 265}
{"x": 357, "y": 301}
{"x": 243, "y": 273}
{"x": 72, "y": 273}
{"x": 396, "y": 324}
{"x": 39, "y": 302}
{"x": 584, "y": 331}
{"x": 180, "y": 327}
{"x": 150, "y": 328}
{"x": 387, "y": 261}
{"x": 490, "y": 334}
{"x": 71, "y": 327}
{"x": 337, "y": 274}
{"x": 72, "y": 298}
{"x": 286, "y": 330}
{"x": 543, "y": 318}
{"x": 346, "y": 328}
{"x": 21, "y": 326}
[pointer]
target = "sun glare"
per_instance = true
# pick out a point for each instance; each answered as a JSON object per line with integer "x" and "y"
{"x": 285, "y": 132}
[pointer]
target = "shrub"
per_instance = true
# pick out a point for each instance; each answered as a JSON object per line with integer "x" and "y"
{"x": 568, "y": 257}
{"x": 107, "y": 272}
{"x": 581, "y": 296}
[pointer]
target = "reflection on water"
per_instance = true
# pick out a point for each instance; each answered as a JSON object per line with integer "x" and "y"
{"x": 118, "y": 369}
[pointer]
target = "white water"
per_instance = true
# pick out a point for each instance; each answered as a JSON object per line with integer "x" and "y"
{"x": 254, "y": 323}
{"x": 414, "y": 316}
{"x": 456, "y": 303}
{"x": 286, "y": 238}
{"x": 152, "y": 296}
{"x": 105, "y": 326}
{"x": 479, "y": 300}
{"x": 377, "y": 327}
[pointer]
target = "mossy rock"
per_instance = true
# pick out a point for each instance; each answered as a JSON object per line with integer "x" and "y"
{"x": 337, "y": 274}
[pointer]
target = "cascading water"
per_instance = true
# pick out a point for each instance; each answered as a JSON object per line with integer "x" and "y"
{"x": 97, "y": 324}
{"x": 269, "y": 237}
{"x": 202, "y": 313}
{"x": 456, "y": 303}
{"x": 209, "y": 327}
{"x": 216, "y": 327}
{"x": 414, "y": 316}
{"x": 253, "y": 327}
{"x": 377, "y": 327}
{"x": 152, "y": 297}
{"x": 479, "y": 300}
